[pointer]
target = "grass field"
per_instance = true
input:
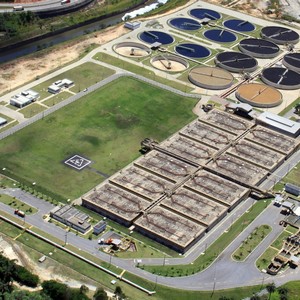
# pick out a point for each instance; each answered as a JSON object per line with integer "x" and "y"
{"x": 105, "y": 126}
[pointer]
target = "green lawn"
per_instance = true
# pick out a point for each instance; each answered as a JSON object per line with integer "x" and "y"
{"x": 212, "y": 252}
{"x": 265, "y": 259}
{"x": 17, "y": 204}
{"x": 278, "y": 243}
{"x": 31, "y": 110}
{"x": 57, "y": 98}
{"x": 291, "y": 229}
{"x": 141, "y": 71}
{"x": 105, "y": 126}
{"x": 251, "y": 242}
{"x": 8, "y": 229}
{"x": 292, "y": 177}
{"x": 83, "y": 76}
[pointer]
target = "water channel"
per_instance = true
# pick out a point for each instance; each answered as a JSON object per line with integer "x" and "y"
{"x": 18, "y": 51}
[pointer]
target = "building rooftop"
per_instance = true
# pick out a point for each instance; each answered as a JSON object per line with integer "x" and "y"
{"x": 279, "y": 122}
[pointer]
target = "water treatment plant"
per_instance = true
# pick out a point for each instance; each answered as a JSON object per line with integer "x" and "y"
{"x": 226, "y": 134}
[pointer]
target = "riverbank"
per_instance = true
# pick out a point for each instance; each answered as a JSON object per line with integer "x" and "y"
{"x": 20, "y": 71}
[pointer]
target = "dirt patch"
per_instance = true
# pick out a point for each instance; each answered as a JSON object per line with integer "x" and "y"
{"x": 23, "y": 70}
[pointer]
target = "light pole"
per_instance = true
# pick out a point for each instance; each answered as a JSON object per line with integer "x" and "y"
{"x": 66, "y": 238}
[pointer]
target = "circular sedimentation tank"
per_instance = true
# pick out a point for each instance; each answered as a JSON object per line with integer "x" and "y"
{"x": 259, "y": 95}
{"x": 153, "y": 36}
{"x": 192, "y": 50}
{"x": 169, "y": 63}
{"x": 185, "y": 23}
{"x": 280, "y": 35}
{"x": 132, "y": 49}
{"x": 220, "y": 35}
{"x": 292, "y": 61}
{"x": 202, "y": 13}
{"x": 236, "y": 62}
{"x": 259, "y": 48}
{"x": 239, "y": 25}
{"x": 211, "y": 78}
{"x": 281, "y": 78}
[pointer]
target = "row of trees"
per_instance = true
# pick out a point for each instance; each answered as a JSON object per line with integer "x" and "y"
{"x": 11, "y": 23}
{"x": 51, "y": 289}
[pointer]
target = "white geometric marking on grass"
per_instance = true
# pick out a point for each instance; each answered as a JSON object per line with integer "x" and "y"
{"x": 77, "y": 162}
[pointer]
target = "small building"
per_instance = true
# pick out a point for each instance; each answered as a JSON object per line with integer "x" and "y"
{"x": 132, "y": 25}
{"x": 42, "y": 259}
{"x": 99, "y": 227}
{"x": 2, "y": 121}
{"x": 54, "y": 89}
{"x": 66, "y": 83}
{"x": 279, "y": 123}
{"x": 20, "y": 100}
{"x": 155, "y": 45}
{"x": 72, "y": 217}
{"x": 290, "y": 206}
{"x": 292, "y": 189}
{"x": 242, "y": 109}
{"x": 31, "y": 94}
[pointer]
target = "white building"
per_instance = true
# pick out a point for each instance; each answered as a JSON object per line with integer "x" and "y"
{"x": 279, "y": 123}
{"x": 24, "y": 98}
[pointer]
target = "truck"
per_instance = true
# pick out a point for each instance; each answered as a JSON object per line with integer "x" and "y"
{"x": 20, "y": 213}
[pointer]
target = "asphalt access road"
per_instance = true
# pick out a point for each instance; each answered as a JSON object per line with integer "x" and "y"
{"x": 224, "y": 273}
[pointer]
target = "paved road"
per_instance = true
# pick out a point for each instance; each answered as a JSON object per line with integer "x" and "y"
{"x": 224, "y": 273}
{"x": 220, "y": 275}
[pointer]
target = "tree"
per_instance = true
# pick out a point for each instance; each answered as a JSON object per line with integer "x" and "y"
{"x": 83, "y": 289}
{"x": 55, "y": 289}
{"x": 119, "y": 293}
{"x": 283, "y": 293}
{"x": 100, "y": 294}
{"x": 271, "y": 288}
{"x": 25, "y": 295}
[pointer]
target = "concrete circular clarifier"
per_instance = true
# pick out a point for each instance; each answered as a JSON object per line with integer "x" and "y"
{"x": 280, "y": 35}
{"x": 236, "y": 62}
{"x": 132, "y": 49}
{"x": 281, "y": 78}
{"x": 169, "y": 63}
{"x": 203, "y": 13}
{"x": 292, "y": 61}
{"x": 184, "y": 24}
{"x": 220, "y": 35}
{"x": 239, "y": 25}
{"x": 192, "y": 50}
{"x": 153, "y": 36}
{"x": 211, "y": 78}
{"x": 259, "y": 48}
{"x": 259, "y": 95}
